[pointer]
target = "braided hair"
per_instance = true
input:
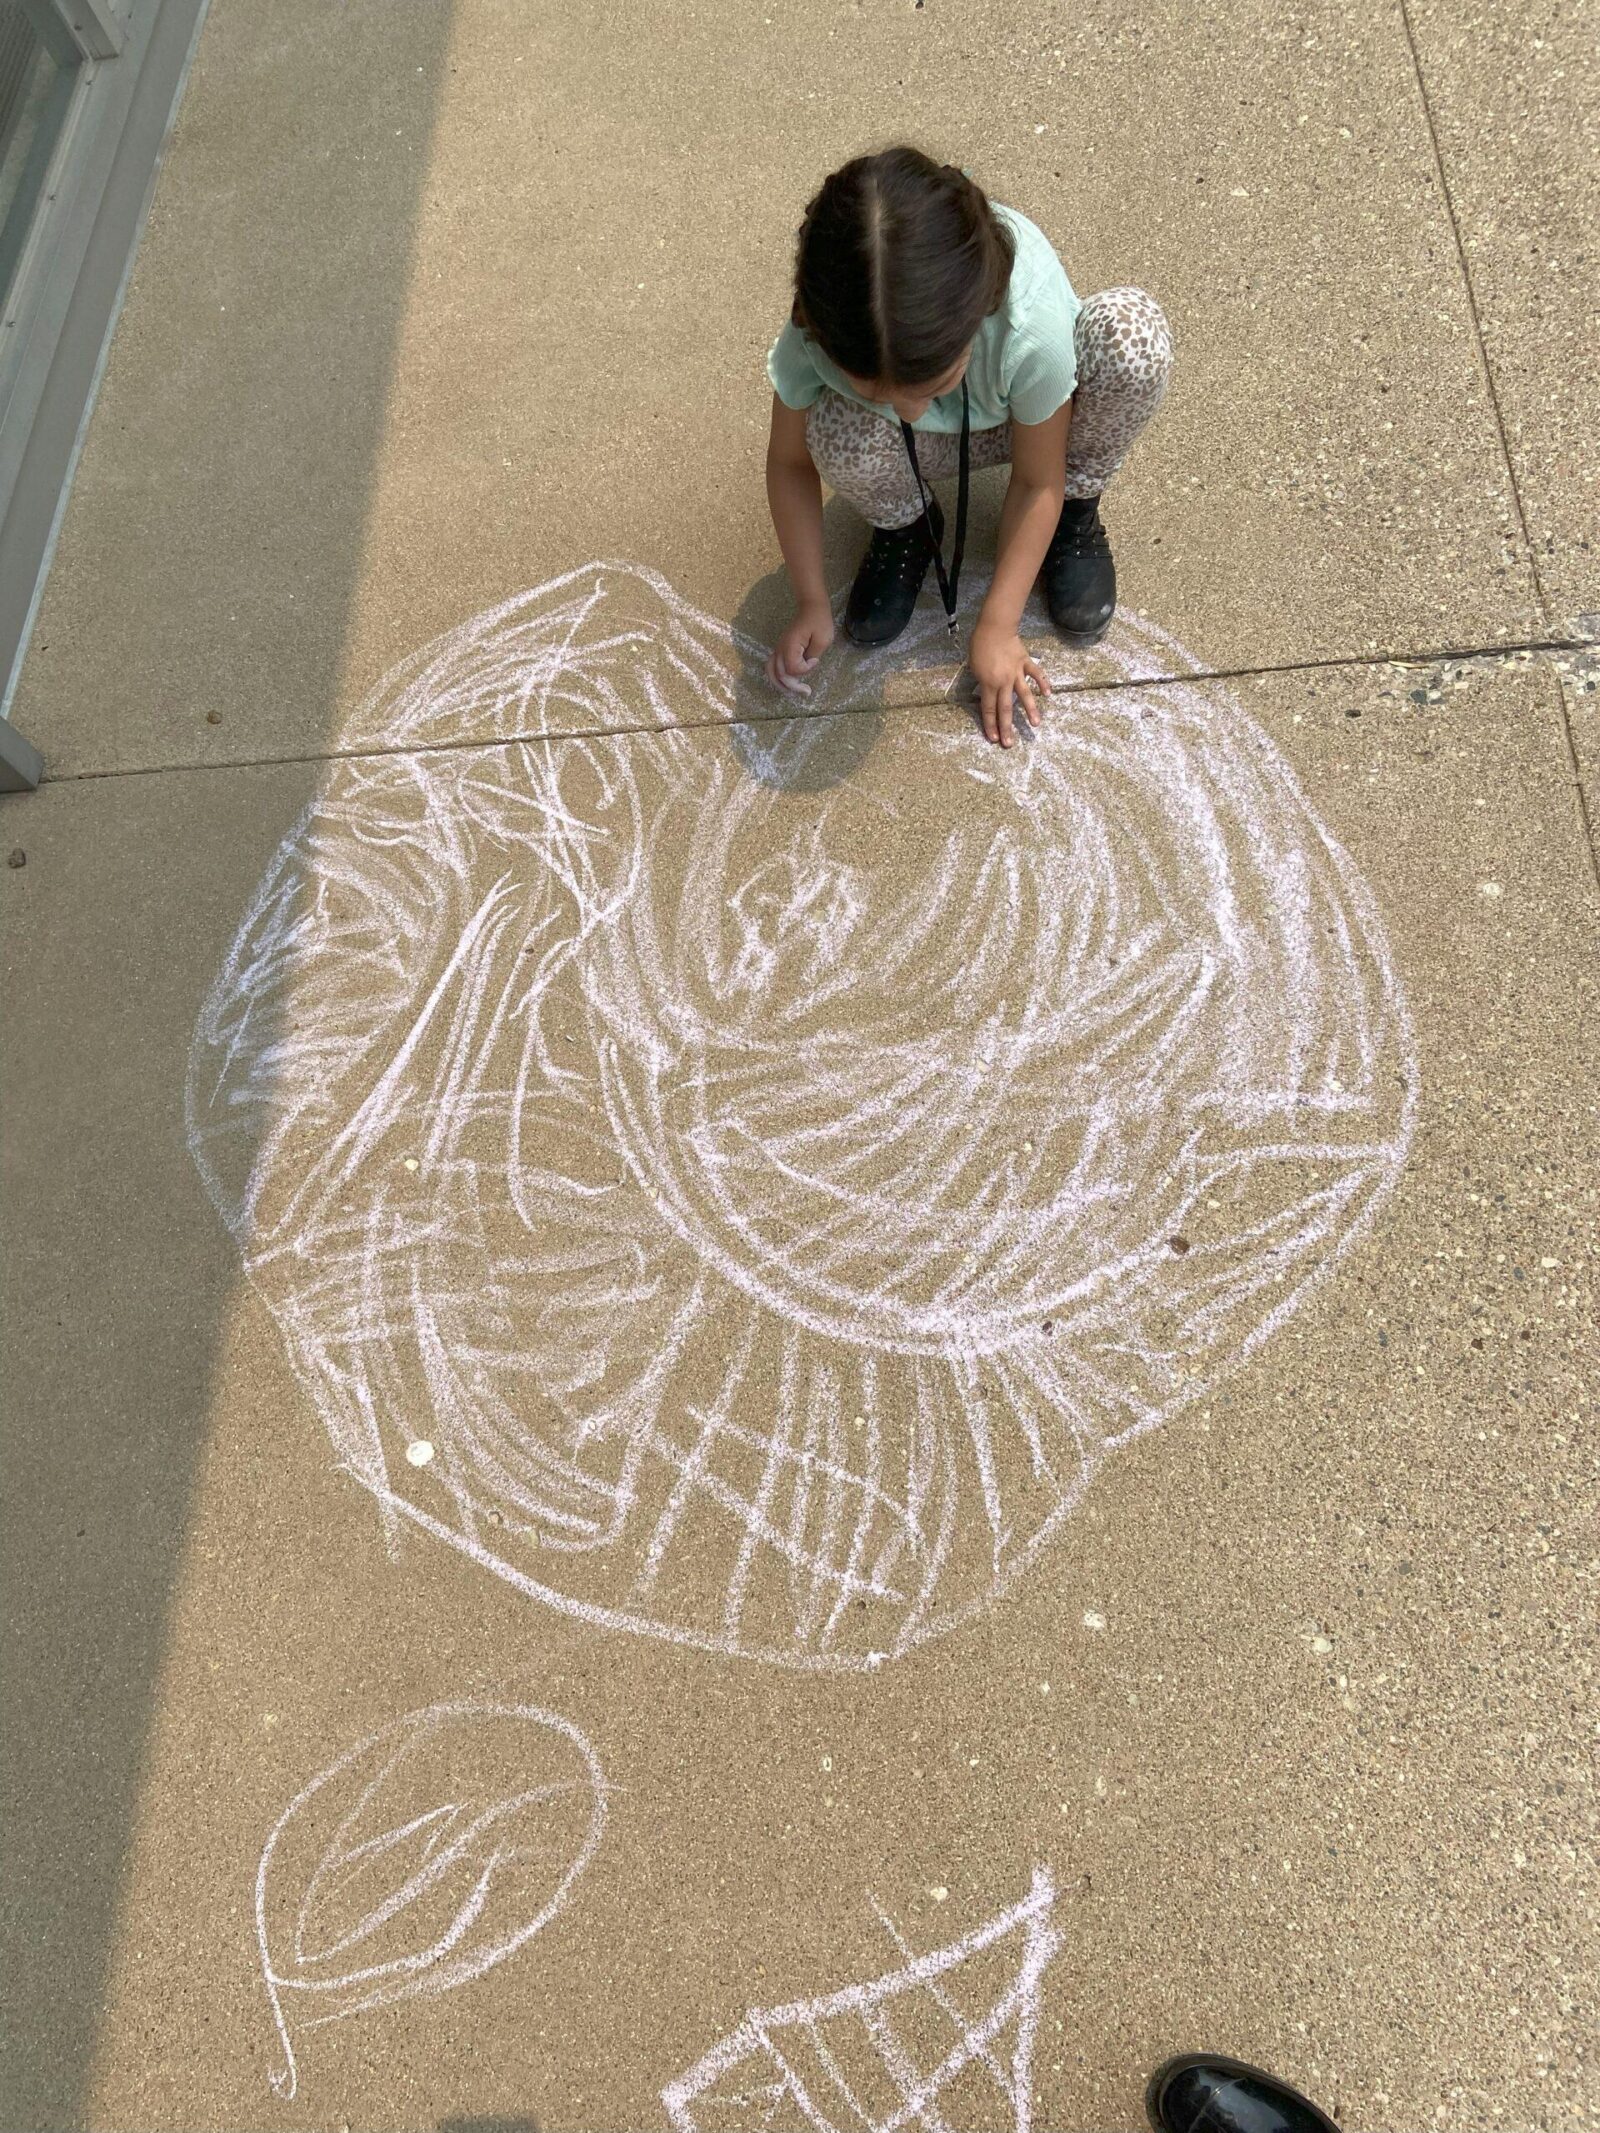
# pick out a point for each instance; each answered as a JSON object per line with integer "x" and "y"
{"x": 899, "y": 262}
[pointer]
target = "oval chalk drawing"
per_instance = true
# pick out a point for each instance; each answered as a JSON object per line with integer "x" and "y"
{"x": 773, "y": 1198}
{"x": 426, "y": 1854}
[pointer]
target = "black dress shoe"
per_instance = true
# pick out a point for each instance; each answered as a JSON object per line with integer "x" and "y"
{"x": 890, "y": 577}
{"x": 1203, "y": 2093}
{"x": 1080, "y": 579}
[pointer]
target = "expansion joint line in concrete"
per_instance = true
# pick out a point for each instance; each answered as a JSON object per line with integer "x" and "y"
{"x": 1585, "y": 819}
{"x": 1487, "y": 367}
{"x": 787, "y": 714}
{"x": 1472, "y": 305}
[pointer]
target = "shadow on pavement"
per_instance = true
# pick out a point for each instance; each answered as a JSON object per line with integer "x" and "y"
{"x": 805, "y": 754}
{"x": 488, "y": 2125}
{"x": 816, "y": 751}
{"x": 111, "y": 1350}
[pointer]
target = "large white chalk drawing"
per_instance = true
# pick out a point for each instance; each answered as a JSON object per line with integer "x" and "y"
{"x": 758, "y": 1205}
{"x": 429, "y": 1852}
{"x": 909, "y": 2049}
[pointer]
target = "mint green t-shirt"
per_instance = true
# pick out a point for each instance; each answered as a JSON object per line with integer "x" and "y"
{"x": 1023, "y": 366}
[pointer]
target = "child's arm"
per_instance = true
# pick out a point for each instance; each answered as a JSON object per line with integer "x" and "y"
{"x": 1000, "y": 665}
{"x": 794, "y": 493}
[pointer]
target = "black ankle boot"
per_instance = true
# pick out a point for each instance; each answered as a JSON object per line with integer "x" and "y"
{"x": 1080, "y": 579}
{"x": 1204, "y": 2093}
{"x": 889, "y": 579}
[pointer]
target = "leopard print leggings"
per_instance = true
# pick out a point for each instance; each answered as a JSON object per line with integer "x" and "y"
{"x": 1124, "y": 351}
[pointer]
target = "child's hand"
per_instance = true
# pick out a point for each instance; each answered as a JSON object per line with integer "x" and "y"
{"x": 1002, "y": 669}
{"x": 799, "y": 648}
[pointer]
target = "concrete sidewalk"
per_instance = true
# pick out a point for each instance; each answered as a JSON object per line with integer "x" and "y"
{"x": 1290, "y": 1700}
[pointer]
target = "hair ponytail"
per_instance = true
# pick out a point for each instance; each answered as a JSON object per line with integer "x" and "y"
{"x": 899, "y": 262}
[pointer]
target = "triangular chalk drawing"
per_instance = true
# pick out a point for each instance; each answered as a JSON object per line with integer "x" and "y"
{"x": 860, "y": 2060}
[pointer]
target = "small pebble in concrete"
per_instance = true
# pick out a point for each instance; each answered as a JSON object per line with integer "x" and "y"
{"x": 419, "y": 1451}
{"x": 411, "y": 1162}
{"x": 1092, "y": 1619}
{"x": 1178, "y": 1244}
{"x": 213, "y": 718}
{"x": 939, "y": 1894}
{"x": 1490, "y": 889}
{"x": 16, "y": 857}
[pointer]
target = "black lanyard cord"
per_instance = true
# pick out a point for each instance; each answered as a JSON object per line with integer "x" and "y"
{"x": 947, "y": 585}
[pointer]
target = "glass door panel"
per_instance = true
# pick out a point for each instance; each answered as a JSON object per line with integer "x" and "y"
{"x": 38, "y": 68}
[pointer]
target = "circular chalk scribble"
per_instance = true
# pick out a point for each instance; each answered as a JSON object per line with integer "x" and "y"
{"x": 772, "y": 1197}
{"x": 425, "y": 1855}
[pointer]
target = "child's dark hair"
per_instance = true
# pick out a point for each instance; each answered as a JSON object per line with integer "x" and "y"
{"x": 900, "y": 260}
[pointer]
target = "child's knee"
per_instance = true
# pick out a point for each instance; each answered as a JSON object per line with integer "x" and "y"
{"x": 1124, "y": 332}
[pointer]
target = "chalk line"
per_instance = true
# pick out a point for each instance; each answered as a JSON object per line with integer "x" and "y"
{"x": 879, "y": 2057}
{"x": 774, "y": 1201}
{"x": 427, "y": 1853}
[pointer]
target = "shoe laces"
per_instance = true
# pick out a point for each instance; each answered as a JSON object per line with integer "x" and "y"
{"x": 1081, "y": 535}
{"x": 909, "y": 554}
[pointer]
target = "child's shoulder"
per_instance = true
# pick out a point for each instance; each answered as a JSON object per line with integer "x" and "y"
{"x": 1040, "y": 303}
{"x": 1036, "y": 255}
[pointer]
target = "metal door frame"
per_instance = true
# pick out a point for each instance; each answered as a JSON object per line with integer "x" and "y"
{"x": 80, "y": 34}
{"x": 70, "y": 280}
